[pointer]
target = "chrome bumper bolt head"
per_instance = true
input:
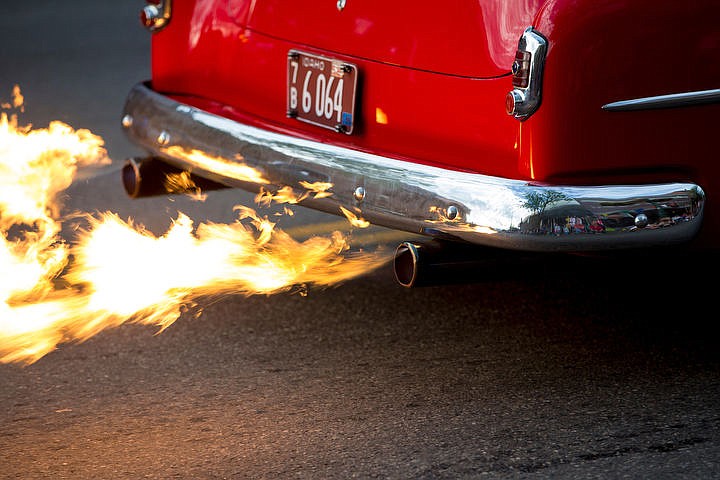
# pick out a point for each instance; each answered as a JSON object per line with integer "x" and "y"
{"x": 641, "y": 220}
{"x": 359, "y": 194}
{"x": 163, "y": 138}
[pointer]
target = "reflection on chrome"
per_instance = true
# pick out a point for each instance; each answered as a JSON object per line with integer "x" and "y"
{"x": 477, "y": 208}
{"x": 672, "y": 100}
{"x": 564, "y": 215}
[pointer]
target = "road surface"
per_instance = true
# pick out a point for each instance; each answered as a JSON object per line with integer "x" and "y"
{"x": 608, "y": 370}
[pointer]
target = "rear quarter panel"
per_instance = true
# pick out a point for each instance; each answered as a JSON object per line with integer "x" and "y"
{"x": 601, "y": 51}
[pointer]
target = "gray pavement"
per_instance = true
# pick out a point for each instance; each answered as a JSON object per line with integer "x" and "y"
{"x": 585, "y": 370}
{"x": 74, "y": 62}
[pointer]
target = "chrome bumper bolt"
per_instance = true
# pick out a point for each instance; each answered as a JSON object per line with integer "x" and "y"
{"x": 359, "y": 194}
{"x": 163, "y": 138}
{"x": 641, "y": 220}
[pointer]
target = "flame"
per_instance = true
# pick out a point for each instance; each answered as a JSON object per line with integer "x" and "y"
{"x": 354, "y": 220}
{"x": 319, "y": 188}
{"x": 35, "y": 165}
{"x": 287, "y": 194}
{"x": 283, "y": 195}
{"x": 116, "y": 271}
{"x": 17, "y": 101}
{"x": 183, "y": 183}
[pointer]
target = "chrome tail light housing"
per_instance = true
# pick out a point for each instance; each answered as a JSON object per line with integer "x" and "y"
{"x": 527, "y": 71}
{"x": 156, "y": 14}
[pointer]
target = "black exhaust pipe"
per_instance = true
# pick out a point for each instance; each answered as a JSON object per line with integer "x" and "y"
{"x": 148, "y": 177}
{"x": 439, "y": 262}
{"x": 436, "y": 263}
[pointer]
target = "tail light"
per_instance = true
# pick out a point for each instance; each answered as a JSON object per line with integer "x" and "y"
{"x": 527, "y": 69}
{"x": 156, "y": 14}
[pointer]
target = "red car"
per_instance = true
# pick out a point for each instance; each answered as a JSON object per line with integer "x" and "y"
{"x": 526, "y": 125}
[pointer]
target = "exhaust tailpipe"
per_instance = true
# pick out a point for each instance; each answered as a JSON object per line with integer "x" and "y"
{"x": 439, "y": 262}
{"x": 148, "y": 177}
{"x": 443, "y": 262}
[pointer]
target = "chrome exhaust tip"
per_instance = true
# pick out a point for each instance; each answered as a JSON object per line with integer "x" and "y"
{"x": 405, "y": 264}
{"x": 442, "y": 262}
{"x": 439, "y": 262}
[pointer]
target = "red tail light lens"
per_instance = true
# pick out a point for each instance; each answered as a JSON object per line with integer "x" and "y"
{"x": 521, "y": 69}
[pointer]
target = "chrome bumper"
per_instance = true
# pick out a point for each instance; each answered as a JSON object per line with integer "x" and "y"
{"x": 476, "y": 208}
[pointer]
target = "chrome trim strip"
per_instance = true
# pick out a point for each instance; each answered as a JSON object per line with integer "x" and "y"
{"x": 673, "y": 100}
{"x": 406, "y": 196}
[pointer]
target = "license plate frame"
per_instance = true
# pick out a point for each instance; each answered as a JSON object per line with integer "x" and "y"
{"x": 321, "y": 91}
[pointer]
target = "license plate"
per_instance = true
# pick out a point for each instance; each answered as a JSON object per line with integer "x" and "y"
{"x": 321, "y": 91}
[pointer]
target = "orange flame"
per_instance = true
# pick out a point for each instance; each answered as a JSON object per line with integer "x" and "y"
{"x": 119, "y": 271}
{"x": 321, "y": 189}
{"x": 183, "y": 183}
{"x": 288, "y": 195}
{"x": 17, "y": 101}
{"x": 354, "y": 220}
{"x": 283, "y": 195}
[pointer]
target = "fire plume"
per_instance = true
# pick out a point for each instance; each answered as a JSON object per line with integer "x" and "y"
{"x": 52, "y": 291}
{"x": 354, "y": 220}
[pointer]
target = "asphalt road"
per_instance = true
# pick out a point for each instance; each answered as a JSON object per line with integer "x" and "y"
{"x": 583, "y": 370}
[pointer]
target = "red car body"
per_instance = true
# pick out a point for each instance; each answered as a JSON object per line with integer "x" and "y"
{"x": 616, "y": 130}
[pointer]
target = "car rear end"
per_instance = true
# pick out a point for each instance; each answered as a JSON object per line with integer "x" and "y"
{"x": 418, "y": 137}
